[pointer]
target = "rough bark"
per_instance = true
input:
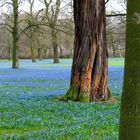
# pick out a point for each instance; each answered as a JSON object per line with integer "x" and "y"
{"x": 130, "y": 104}
{"x": 90, "y": 65}
{"x": 15, "y": 61}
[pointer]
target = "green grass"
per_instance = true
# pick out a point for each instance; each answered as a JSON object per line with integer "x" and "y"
{"x": 116, "y": 62}
{"x": 30, "y": 109}
{"x": 52, "y": 119}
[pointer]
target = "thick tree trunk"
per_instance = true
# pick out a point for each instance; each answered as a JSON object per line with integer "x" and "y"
{"x": 130, "y": 105}
{"x": 55, "y": 46}
{"x": 15, "y": 57}
{"x": 90, "y": 65}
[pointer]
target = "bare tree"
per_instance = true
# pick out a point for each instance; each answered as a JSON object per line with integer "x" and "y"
{"x": 52, "y": 19}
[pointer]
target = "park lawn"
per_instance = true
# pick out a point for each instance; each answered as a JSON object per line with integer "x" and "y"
{"x": 30, "y": 109}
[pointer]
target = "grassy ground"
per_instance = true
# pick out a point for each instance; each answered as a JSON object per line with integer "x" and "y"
{"x": 29, "y": 109}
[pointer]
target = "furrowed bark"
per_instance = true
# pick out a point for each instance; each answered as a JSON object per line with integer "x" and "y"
{"x": 90, "y": 66}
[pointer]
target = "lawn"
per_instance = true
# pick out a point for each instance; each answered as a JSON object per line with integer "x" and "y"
{"x": 30, "y": 110}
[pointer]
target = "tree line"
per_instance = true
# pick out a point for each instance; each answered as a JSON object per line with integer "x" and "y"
{"x": 34, "y": 25}
{"x": 48, "y": 32}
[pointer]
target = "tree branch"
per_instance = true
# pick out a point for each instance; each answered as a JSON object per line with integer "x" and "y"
{"x": 116, "y": 15}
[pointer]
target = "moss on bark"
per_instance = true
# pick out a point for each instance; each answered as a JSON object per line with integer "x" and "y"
{"x": 72, "y": 94}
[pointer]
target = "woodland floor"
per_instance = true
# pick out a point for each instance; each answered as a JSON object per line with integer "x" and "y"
{"x": 30, "y": 110}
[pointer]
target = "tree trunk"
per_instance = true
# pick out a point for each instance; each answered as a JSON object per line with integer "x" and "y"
{"x": 45, "y": 54}
{"x": 130, "y": 105}
{"x": 9, "y": 53}
{"x": 54, "y": 19}
{"x": 55, "y": 46}
{"x": 33, "y": 51}
{"x": 61, "y": 52}
{"x": 113, "y": 46}
{"x": 90, "y": 65}
{"x": 50, "y": 53}
{"x": 114, "y": 50}
{"x": 15, "y": 57}
{"x": 39, "y": 54}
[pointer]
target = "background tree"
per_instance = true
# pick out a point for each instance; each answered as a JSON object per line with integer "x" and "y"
{"x": 52, "y": 19}
{"x": 5, "y": 44}
{"x": 90, "y": 66}
{"x": 15, "y": 58}
{"x": 41, "y": 44}
{"x": 130, "y": 105}
{"x": 116, "y": 36}
{"x": 31, "y": 22}
{"x": 64, "y": 28}
{"x": 13, "y": 28}
{"x": 32, "y": 29}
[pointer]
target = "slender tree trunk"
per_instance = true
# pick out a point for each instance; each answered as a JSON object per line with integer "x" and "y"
{"x": 113, "y": 46}
{"x": 39, "y": 54}
{"x": 15, "y": 57}
{"x": 50, "y": 55}
{"x": 90, "y": 65}
{"x": 31, "y": 32}
{"x": 61, "y": 52}
{"x": 55, "y": 46}
{"x": 53, "y": 21}
{"x": 114, "y": 50}
{"x": 130, "y": 105}
{"x": 45, "y": 54}
{"x": 33, "y": 51}
{"x": 9, "y": 53}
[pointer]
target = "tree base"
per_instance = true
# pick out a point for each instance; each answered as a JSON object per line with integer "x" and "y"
{"x": 72, "y": 94}
{"x": 56, "y": 61}
{"x": 102, "y": 97}
{"x": 15, "y": 65}
{"x": 33, "y": 61}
